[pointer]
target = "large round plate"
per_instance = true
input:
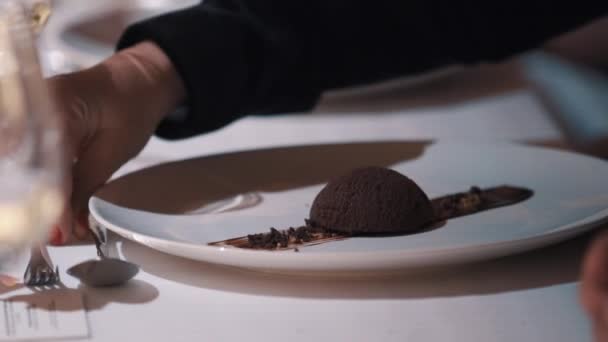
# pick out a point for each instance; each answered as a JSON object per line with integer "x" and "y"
{"x": 173, "y": 207}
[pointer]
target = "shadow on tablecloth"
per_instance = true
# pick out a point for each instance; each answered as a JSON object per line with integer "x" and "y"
{"x": 134, "y": 292}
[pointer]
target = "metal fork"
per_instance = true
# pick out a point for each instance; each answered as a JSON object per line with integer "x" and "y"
{"x": 39, "y": 271}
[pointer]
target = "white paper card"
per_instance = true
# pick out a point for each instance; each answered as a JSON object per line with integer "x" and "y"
{"x": 53, "y": 314}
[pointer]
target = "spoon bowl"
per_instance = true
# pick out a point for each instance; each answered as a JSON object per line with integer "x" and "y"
{"x": 104, "y": 272}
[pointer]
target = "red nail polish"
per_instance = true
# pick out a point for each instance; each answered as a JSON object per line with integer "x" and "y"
{"x": 56, "y": 236}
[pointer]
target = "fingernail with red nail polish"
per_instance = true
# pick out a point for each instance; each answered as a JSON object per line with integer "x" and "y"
{"x": 56, "y": 236}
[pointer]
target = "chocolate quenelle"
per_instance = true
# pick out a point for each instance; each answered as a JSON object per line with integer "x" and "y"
{"x": 376, "y": 200}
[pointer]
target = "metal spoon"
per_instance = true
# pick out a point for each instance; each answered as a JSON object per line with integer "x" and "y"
{"x": 104, "y": 271}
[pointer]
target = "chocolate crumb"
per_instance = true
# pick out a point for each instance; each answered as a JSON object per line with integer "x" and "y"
{"x": 279, "y": 239}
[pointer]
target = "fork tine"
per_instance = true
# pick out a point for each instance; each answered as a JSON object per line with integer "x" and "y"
{"x": 39, "y": 276}
{"x": 52, "y": 277}
{"x": 57, "y": 276}
{"x": 35, "y": 278}
{"x": 29, "y": 281}
{"x": 46, "y": 275}
{"x": 27, "y": 275}
{"x": 39, "y": 272}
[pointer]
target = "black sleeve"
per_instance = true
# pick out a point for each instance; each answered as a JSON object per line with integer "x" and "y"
{"x": 240, "y": 57}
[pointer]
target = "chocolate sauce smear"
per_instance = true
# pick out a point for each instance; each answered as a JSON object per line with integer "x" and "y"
{"x": 446, "y": 207}
{"x": 375, "y": 201}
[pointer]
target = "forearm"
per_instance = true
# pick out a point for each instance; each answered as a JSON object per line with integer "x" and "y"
{"x": 138, "y": 81}
{"x": 240, "y": 57}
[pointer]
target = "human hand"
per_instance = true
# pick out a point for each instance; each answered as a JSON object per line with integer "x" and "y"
{"x": 109, "y": 113}
{"x": 594, "y": 289}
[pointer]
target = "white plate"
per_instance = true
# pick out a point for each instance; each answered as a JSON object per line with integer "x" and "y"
{"x": 160, "y": 207}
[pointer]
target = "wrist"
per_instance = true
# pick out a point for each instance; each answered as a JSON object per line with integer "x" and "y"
{"x": 143, "y": 81}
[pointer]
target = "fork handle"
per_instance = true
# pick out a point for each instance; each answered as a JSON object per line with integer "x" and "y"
{"x": 36, "y": 253}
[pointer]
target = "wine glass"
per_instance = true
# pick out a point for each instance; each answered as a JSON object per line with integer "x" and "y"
{"x": 31, "y": 154}
{"x": 38, "y": 13}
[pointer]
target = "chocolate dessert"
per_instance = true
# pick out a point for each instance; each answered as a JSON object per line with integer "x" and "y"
{"x": 372, "y": 200}
{"x": 376, "y": 200}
